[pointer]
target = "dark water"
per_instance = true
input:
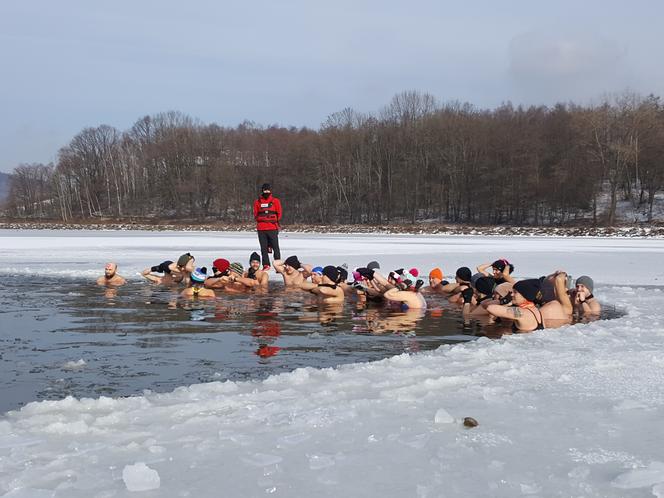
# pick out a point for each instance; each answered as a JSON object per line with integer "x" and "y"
{"x": 141, "y": 337}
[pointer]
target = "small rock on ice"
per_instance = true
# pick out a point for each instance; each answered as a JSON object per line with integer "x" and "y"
{"x": 140, "y": 477}
{"x": 442, "y": 417}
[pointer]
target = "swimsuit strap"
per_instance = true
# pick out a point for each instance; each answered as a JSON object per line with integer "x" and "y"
{"x": 540, "y": 324}
{"x": 328, "y": 285}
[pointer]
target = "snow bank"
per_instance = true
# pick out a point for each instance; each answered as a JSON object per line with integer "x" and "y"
{"x": 574, "y": 411}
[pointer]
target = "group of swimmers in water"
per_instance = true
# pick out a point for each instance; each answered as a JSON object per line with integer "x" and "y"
{"x": 491, "y": 292}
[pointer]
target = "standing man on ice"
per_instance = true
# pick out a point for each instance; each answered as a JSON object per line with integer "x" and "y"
{"x": 267, "y": 213}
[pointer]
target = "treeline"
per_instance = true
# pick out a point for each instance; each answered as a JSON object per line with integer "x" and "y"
{"x": 413, "y": 161}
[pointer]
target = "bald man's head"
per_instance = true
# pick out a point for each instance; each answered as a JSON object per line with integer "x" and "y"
{"x": 110, "y": 269}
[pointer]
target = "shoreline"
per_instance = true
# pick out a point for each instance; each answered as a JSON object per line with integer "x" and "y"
{"x": 640, "y": 231}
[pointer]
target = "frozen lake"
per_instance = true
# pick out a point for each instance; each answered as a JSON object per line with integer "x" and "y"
{"x": 574, "y": 411}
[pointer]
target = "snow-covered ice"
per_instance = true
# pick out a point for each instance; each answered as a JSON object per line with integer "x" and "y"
{"x": 140, "y": 477}
{"x": 574, "y": 411}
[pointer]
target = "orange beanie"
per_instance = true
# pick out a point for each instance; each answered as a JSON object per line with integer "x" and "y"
{"x": 436, "y": 273}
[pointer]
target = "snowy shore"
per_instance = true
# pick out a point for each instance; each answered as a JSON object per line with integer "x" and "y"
{"x": 422, "y": 228}
{"x": 569, "y": 412}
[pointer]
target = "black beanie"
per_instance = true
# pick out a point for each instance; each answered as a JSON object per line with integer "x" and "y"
{"x": 331, "y": 272}
{"x": 293, "y": 262}
{"x": 265, "y": 186}
{"x": 254, "y": 257}
{"x": 464, "y": 274}
{"x": 485, "y": 285}
{"x": 531, "y": 289}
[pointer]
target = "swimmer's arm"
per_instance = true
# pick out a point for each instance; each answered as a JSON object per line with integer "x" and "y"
{"x": 483, "y": 268}
{"x": 324, "y": 291}
{"x": 307, "y": 286}
{"x": 216, "y": 282}
{"x": 382, "y": 283}
{"x": 263, "y": 278}
{"x": 278, "y": 265}
{"x": 498, "y": 310}
{"x": 507, "y": 276}
{"x": 151, "y": 278}
{"x": 449, "y": 288}
{"x": 247, "y": 282}
{"x": 395, "y": 294}
{"x": 590, "y": 307}
{"x": 306, "y": 269}
{"x": 560, "y": 286}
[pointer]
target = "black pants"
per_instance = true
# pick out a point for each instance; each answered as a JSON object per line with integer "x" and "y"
{"x": 269, "y": 238}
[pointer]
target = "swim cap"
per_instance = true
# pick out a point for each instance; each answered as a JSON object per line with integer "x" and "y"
{"x": 293, "y": 262}
{"x": 475, "y": 278}
{"x": 318, "y": 270}
{"x": 531, "y": 289}
{"x": 254, "y": 257}
{"x": 331, "y": 272}
{"x": 198, "y": 275}
{"x": 464, "y": 274}
{"x": 587, "y": 281}
{"x": 237, "y": 268}
{"x": 436, "y": 273}
{"x": 162, "y": 267}
{"x": 485, "y": 285}
{"x": 221, "y": 265}
{"x": 414, "y": 272}
{"x": 343, "y": 274}
{"x": 373, "y": 265}
{"x": 499, "y": 264}
{"x": 409, "y": 279}
{"x": 184, "y": 259}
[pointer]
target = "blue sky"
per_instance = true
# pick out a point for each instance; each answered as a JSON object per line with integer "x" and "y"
{"x": 73, "y": 63}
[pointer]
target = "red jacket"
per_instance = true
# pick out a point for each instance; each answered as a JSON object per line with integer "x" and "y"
{"x": 267, "y": 213}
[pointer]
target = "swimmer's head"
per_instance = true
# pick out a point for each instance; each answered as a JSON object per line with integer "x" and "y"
{"x": 463, "y": 275}
{"x": 317, "y": 275}
{"x": 221, "y": 266}
{"x": 485, "y": 285}
{"x": 499, "y": 266}
{"x": 237, "y": 268}
{"x": 186, "y": 262}
{"x": 585, "y": 281}
{"x": 502, "y": 291}
{"x": 343, "y": 274}
{"x": 292, "y": 264}
{"x": 110, "y": 269}
{"x": 435, "y": 276}
{"x": 330, "y": 275}
{"x": 198, "y": 276}
{"x": 530, "y": 290}
{"x": 373, "y": 265}
{"x": 255, "y": 260}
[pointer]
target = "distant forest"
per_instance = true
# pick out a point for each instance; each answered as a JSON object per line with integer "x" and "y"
{"x": 415, "y": 160}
